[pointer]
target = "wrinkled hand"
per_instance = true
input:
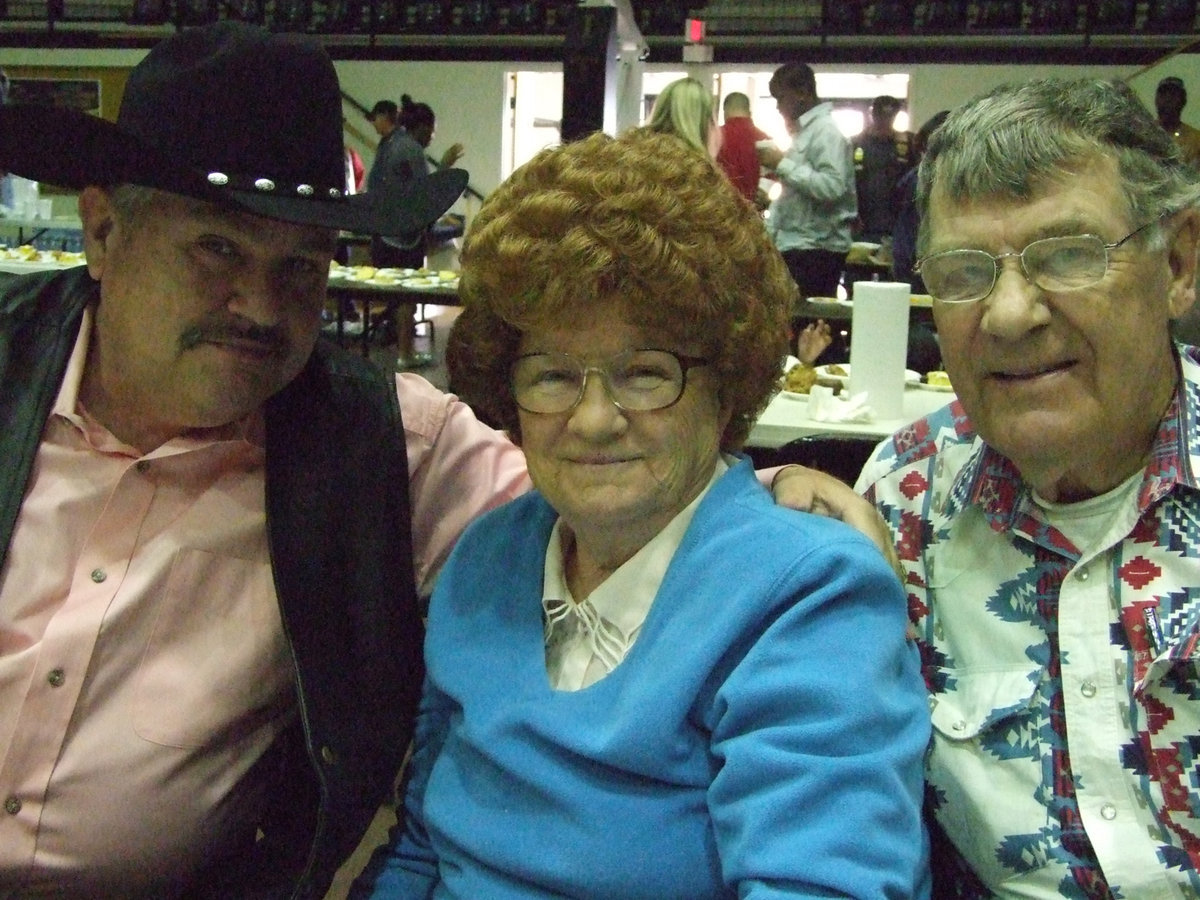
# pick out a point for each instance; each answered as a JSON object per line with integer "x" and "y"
{"x": 812, "y": 341}
{"x": 769, "y": 157}
{"x": 810, "y": 490}
{"x": 452, "y": 155}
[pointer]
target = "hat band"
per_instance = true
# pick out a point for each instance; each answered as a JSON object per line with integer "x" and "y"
{"x": 268, "y": 187}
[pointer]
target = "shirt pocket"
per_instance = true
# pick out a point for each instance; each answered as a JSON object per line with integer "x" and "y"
{"x": 216, "y": 664}
{"x": 984, "y": 769}
{"x": 976, "y": 701}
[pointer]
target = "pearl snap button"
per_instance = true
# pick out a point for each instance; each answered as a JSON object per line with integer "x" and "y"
{"x": 1108, "y": 811}
{"x": 1088, "y": 689}
{"x": 98, "y": 575}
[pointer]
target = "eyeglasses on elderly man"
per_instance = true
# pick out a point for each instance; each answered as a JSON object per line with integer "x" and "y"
{"x": 1067, "y": 263}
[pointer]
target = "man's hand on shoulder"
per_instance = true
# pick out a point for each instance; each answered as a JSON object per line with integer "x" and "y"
{"x": 810, "y": 490}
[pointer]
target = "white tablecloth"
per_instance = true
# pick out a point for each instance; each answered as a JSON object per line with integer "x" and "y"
{"x": 786, "y": 419}
{"x": 21, "y": 266}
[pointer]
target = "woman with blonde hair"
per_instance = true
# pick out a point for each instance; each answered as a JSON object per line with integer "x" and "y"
{"x": 685, "y": 109}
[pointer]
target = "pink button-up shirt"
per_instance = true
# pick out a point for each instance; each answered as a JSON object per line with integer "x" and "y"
{"x": 143, "y": 667}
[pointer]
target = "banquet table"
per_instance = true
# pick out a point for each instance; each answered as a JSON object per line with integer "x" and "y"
{"x": 30, "y": 229}
{"x": 379, "y": 302}
{"x": 23, "y": 266}
{"x": 786, "y": 418}
{"x": 843, "y": 310}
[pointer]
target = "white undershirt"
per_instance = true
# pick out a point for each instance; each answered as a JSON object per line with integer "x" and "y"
{"x": 587, "y": 640}
{"x": 1087, "y": 522}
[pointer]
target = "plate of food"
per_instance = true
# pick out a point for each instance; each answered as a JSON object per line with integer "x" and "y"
{"x": 936, "y": 380}
{"x": 840, "y": 372}
{"x": 798, "y": 380}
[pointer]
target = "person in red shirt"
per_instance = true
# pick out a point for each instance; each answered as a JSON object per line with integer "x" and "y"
{"x": 737, "y": 156}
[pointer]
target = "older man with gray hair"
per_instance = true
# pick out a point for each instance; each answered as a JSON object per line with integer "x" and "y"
{"x": 1047, "y": 519}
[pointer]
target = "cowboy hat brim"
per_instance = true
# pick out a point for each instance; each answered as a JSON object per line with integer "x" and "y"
{"x": 72, "y": 149}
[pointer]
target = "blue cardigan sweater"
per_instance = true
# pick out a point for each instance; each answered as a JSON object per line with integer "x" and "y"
{"x": 763, "y": 738}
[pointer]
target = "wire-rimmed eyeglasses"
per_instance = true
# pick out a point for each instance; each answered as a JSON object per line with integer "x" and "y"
{"x": 1053, "y": 264}
{"x": 635, "y": 380}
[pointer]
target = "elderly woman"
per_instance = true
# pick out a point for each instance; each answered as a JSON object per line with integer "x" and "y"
{"x": 645, "y": 680}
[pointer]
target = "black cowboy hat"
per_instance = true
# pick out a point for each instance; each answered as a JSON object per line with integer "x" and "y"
{"x": 230, "y": 113}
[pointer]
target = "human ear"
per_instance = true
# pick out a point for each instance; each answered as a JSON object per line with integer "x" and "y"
{"x": 1181, "y": 257}
{"x": 96, "y": 216}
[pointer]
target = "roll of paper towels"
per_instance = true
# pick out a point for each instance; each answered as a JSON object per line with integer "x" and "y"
{"x": 879, "y": 344}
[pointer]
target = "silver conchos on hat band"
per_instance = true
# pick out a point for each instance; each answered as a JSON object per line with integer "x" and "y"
{"x": 270, "y": 186}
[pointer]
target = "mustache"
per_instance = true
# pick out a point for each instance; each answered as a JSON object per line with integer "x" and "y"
{"x": 273, "y": 338}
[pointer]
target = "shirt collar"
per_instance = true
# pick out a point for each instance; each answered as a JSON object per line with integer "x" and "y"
{"x": 250, "y": 430}
{"x": 624, "y": 599}
{"x": 820, "y": 109}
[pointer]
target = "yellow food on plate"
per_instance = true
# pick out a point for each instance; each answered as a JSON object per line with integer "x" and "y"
{"x": 835, "y": 370}
{"x": 938, "y": 379}
{"x": 447, "y": 275}
{"x": 800, "y": 379}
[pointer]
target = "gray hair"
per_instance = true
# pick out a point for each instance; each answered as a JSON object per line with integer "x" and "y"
{"x": 130, "y": 201}
{"x": 1010, "y": 142}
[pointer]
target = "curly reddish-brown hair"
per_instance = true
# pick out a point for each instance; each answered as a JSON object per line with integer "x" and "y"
{"x": 644, "y": 218}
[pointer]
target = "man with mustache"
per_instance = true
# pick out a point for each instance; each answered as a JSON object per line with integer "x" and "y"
{"x": 1047, "y": 519}
{"x": 210, "y": 643}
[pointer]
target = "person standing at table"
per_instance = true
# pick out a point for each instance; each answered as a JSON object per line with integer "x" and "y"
{"x": 738, "y": 156}
{"x": 881, "y": 157}
{"x": 405, "y": 132}
{"x": 1169, "y": 100}
{"x": 398, "y": 158}
{"x": 1047, "y": 519}
{"x": 810, "y": 221}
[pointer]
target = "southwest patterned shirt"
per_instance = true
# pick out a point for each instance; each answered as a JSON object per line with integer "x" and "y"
{"x": 1065, "y": 758}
